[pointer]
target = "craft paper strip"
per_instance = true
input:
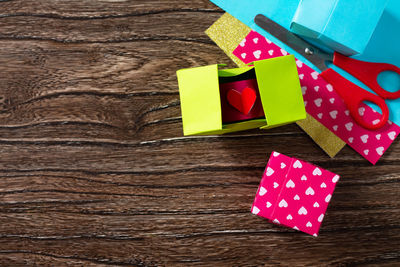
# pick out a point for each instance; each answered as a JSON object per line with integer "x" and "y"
{"x": 294, "y": 193}
{"x": 383, "y": 46}
{"x": 324, "y": 104}
{"x": 227, "y": 32}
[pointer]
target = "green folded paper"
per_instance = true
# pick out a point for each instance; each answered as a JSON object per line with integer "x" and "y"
{"x": 279, "y": 89}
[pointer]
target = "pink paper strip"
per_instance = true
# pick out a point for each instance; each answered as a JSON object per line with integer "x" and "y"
{"x": 324, "y": 104}
{"x": 294, "y": 193}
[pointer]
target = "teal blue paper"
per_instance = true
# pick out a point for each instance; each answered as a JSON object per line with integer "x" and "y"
{"x": 384, "y": 45}
{"x": 345, "y": 26}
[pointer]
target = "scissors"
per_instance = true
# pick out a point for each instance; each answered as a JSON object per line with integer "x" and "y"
{"x": 352, "y": 94}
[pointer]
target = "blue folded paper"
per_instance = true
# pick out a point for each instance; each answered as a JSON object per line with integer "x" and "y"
{"x": 383, "y": 46}
{"x": 342, "y": 25}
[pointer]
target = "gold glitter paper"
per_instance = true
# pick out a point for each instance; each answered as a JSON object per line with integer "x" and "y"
{"x": 323, "y": 137}
{"x": 227, "y": 32}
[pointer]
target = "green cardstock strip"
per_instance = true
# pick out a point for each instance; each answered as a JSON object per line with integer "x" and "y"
{"x": 200, "y": 101}
{"x": 227, "y": 32}
{"x": 279, "y": 90}
{"x": 278, "y": 84}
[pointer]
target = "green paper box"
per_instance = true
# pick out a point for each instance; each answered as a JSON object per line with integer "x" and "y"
{"x": 279, "y": 88}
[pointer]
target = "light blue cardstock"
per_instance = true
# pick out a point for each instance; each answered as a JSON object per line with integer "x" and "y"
{"x": 343, "y": 25}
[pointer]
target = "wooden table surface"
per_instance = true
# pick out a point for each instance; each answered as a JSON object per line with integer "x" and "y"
{"x": 94, "y": 169}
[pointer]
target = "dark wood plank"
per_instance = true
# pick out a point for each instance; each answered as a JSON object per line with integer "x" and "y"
{"x": 95, "y": 171}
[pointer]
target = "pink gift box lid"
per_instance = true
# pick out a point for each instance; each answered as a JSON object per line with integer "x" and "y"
{"x": 294, "y": 193}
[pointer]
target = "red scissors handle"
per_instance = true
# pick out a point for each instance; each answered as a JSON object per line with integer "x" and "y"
{"x": 353, "y": 96}
{"x": 367, "y": 72}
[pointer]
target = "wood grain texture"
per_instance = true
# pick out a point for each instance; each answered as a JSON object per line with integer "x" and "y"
{"x": 94, "y": 169}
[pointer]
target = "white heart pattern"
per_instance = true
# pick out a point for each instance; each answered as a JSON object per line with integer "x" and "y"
{"x": 332, "y": 100}
{"x": 299, "y": 63}
{"x": 304, "y": 178}
{"x": 255, "y": 40}
{"x": 295, "y": 228}
{"x": 276, "y": 184}
{"x": 302, "y": 211}
{"x": 335, "y": 127}
{"x": 301, "y": 76}
{"x": 316, "y": 88}
{"x": 270, "y": 171}
{"x": 316, "y": 205}
{"x": 328, "y": 198}
{"x": 243, "y": 55}
{"x": 366, "y": 152}
{"x": 335, "y": 179}
{"x": 268, "y": 40}
{"x": 364, "y": 138}
{"x": 315, "y": 75}
{"x": 303, "y": 89}
{"x": 375, "y": 122}
{"x": 392, "y": 135}
{"x": 296, "y": 197}
{"x": 320, "y": 115}
{"x": 269, "y": 204}
{"x": 309, "y": 224}
{"x": 276, "y": 221}
{"x": 243, "y": 42}
{"x": 347, "y": 112}
{"x": 379, "y": 150}
{"x": 351, "y": 139}
{"x": 378, "y": 136}
{"x": 276, "y": 154}
{"x": 310, "y": 191}
{"x": 321, "y": 217}
{"x": 329, "y": 87}
{"x": 283, "y": 165}
{"x": 297, "y": 164}
{"x": 284, "y": 52}
{"x": 262, "y": 191}
{"x": 283, "y": 204}
{"x": 318, "y": 102}
{"x": 255, "y": 210}
{"x": 333, "y": 114}
{"x": 290, "y": 184}
{"x": 323, "y": 185}
{"x": 317, "y": 171}
{"x": 361, "y": 111}
{"x": 257, "y": 54}
{"x": 349, "y": 126}
{"x": 271, "y": 52}
{"x": 289, "y": 217}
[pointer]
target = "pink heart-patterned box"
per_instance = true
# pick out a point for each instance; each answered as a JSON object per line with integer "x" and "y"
{"x": 294, "y": 193}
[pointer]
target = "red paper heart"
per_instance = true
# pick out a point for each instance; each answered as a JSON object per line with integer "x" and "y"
{"x": 243, "y": 101}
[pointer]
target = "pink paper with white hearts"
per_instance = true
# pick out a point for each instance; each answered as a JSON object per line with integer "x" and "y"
{"x": 324, "y": 104}
{"x": 294, "y": 193}
{"x": 271, "y": 185}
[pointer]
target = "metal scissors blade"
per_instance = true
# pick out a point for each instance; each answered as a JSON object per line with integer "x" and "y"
{"x": 309, "y": 51}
